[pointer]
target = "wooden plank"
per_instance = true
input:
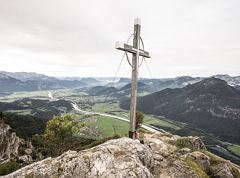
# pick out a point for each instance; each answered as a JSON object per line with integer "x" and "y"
{"x": 131, "y": 49}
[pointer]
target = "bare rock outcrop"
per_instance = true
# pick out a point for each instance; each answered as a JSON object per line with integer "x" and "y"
{"x": 116, "y": 158}
{"x": 11, "y": 145}
{"x": 186, "y": 157}
{"x": 161, "y": 156}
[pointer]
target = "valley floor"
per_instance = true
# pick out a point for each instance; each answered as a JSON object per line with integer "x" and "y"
{"x": 105, "y": 118}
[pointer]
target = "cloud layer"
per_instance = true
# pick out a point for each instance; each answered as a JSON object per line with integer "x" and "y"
{"x": 76, "y": 37}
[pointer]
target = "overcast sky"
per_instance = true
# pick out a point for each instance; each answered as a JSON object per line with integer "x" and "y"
{"x": 77, "y": 37}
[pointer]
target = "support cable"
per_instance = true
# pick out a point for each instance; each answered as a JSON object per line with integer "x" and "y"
{"x": 125, "y": 53}
{"x": 154, "y": 101}
{"x": 153, "y": 84}
{"x": 115, "y": 76}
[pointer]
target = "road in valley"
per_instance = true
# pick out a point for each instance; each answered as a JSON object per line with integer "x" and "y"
{"x": 149, "y": 128}
{"x": 76, "y": 108}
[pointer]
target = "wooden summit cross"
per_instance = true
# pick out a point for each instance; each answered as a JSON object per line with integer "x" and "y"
{"x": 136, "y": 52}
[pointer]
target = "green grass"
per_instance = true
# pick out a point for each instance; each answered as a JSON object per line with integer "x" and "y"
{"x": 106, "y": 107}
{"x": 183, "y": 142}
{"x": 114, "y": 108}
{"x": 20, "y": 95}
{"x": 9, "y": 167}
{"x": 235, "y": 149}
{"x": 196, "y": 168}
{"x": 107, "y": 126}
{"x": 68, "y": 93}
{"x": 214, "y": 159}
{"x": 151, "y": 120}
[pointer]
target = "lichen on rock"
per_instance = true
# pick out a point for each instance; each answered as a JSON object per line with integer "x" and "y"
{"x": 158, "y": 157}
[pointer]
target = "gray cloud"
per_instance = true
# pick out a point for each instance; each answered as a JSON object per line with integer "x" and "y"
{"x": 76, "y": 37}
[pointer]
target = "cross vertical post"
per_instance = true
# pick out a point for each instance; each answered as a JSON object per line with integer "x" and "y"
{"x": 136, "y": 52}
{"x": 135, "y": 60}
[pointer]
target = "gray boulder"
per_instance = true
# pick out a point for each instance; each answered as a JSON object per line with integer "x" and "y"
{"x": 222, "y": 171}
{"x": 116, "y": 158}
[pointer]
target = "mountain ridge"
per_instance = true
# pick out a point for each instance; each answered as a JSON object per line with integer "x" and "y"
{"x": 210, "y": 104}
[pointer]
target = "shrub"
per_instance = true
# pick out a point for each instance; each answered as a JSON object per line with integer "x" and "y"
{"x": 183, "y": 143}
{"x": 8, "y": 167}
{"x": 139, "y": 119}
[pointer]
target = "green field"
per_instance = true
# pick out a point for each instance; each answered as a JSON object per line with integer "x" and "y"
{"x": 106, "y": 107}
{"x": 20, "y": 95}
{"x": 105, "y": 126}
{"x": 109, "y": 127}
{"x": 68, "y": 93}
{"x": 113, "y": 108}
{"x": 235, "y": 149}
{"x": 153, "y": 120}
{"x": 20, "y": 112}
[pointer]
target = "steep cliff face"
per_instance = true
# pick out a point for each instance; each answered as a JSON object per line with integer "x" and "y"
{"x": 9, "y": 142}
{"x": 11, "y": 146}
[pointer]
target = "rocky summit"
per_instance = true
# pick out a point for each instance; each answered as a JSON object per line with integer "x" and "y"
{"x": 162, "y": 155}
{"x": 13, "y": 147}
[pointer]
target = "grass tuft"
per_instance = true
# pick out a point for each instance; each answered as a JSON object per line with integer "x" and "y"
{"x": 196, "y": 168}
{"x": 8, "y": 167}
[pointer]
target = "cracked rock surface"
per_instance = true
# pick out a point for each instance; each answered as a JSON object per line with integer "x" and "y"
{"x": 161, "y": 156}
{"x": 116, "y": 158}
{"x": 10, "y": 144}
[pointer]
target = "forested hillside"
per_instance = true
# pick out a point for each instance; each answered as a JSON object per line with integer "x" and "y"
{"x": 210, "y": 104}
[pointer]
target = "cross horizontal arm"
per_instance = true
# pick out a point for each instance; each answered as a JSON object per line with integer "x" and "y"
{"x": 130, "y": 49}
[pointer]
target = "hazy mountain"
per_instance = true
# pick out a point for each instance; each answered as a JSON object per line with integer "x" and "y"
{"x": 112, "y": 91}
{"x": 159, "y": 84}
{"x": 120, "y": 83}
{"x": 90, "y": 81}
{"x": 9, "y": 84}
{"x": 102, "y": 90}
{"x": 24, "y": 76}
{"x": 233, "y": 81}
{"x": 142, "y": 87}
{"x": 210, "y": 104}
{"x": 25, "y": 81}
{"x": 33, "y": 82}
{"x": 180, "y": 82}
{"x": 237, "y": 87}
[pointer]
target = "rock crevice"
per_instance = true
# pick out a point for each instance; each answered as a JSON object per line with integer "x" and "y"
{"x": 162, "y": 156}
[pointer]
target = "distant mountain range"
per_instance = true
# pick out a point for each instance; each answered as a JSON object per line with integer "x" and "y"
{"x": 120, "y": 83}
{"x": 25, "y": 76}
{"x": 154, "y": 85}
{"x": 118, "y": 92}
{"x": 210, "y": 104}
{"x": 24, "y": 81}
